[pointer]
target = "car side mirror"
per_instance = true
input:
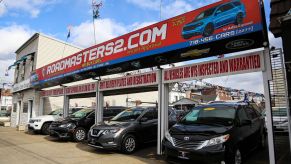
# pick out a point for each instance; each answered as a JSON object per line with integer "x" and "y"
{"x": 144, "y": 119}
{"x": 246, "y": 122}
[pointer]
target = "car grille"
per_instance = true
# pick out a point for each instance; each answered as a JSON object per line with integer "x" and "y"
{"x": 187, "y": 144}
{"x": 95, "y": 132}
{"x": 31, "y": 121}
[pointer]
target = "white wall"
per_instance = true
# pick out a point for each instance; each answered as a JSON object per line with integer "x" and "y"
{"x": 51, "y": 50}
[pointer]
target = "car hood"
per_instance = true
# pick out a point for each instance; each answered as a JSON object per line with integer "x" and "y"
{"x": 199, "y": 132}
{"x": 46, "y": 117}
{"x": 67, "y": 120}
{"x": 111, "y": 125}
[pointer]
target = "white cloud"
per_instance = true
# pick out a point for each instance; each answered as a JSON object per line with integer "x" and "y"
{"x": 249, "y": 81}
{"x": 83, "y": 34}
{"x": 276, "y": 42}
{"x": 33, "y": 7}
{"x": 12, "y": 37}
{"x": 138, "y": 25}
{"x": 176, "y": 8}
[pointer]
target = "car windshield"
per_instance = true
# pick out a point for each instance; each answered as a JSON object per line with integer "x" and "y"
{"x": 279, "y": 112}
{"x": 214, "y": 115}
{"x": 81, "y": 113}
{"x": 128, "y": 115}
{"x": 205, "y": 14}
{"x": 55, "y": 112}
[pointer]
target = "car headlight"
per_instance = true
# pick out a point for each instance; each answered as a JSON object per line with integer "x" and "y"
{"x": 169, "y": 138}
{"x": 37, "y": 120}
{"x": 110, "y": 131}
{"x": 214, "y": 141}
{"x": 68, "y": 125}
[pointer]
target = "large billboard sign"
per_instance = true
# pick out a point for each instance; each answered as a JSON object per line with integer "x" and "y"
{"x": 246, "y": 63}
{"x": 223, "y": 27}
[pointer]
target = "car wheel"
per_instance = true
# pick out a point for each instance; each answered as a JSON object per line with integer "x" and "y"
{"x": 234, "y": 157}
{"x": 80, "y": 134}
{"x": 239, "y": 19}
{"x": 208, "y": 30}
{"x": 129, "y": 144}
{"x": 45, "y": 128}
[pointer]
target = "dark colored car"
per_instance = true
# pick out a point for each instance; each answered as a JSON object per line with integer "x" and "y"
{"x": 126, "y": 130}
{"x": 216, "y": 17}
{"x": 74, "y": 126}
{"x": 216, "y": 132}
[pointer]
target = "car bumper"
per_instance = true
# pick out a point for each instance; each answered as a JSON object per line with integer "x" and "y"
{"x": 61, "y": 133}
{"x": 104, "y": 142}
{"x": 215, "y": 155}
{"x": 34, "y": 126}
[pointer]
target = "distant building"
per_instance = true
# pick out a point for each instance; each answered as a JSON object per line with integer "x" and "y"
{"x": 36, "y": 52}
{"x": 6, "y": 99}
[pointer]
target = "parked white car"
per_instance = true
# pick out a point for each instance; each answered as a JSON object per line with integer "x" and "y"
{"x": 42, "y": 123}
{"x": 4, "y": 117}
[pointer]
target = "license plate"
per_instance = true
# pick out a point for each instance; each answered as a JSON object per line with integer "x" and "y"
{"x": 183, "y": 155}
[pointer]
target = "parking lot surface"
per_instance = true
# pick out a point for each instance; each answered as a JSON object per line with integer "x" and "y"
{"x": 22, "y": 148}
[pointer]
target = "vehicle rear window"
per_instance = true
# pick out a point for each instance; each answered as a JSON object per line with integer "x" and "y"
{"x": 210, "y": 114}
{"x": 81, "y": 113}
{"x": 128, "y": 115}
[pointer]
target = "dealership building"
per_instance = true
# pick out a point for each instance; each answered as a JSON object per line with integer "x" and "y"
{"x": 48, "y": 70}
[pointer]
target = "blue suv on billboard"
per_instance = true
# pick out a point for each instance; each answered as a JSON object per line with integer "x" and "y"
{"x": 206, "y": 22}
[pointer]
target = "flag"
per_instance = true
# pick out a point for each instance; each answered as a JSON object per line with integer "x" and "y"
{"x": 69, "y": 31}
{"x": 96, "y": 6}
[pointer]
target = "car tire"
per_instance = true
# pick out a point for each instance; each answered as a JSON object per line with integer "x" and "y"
{"x": 79, "y": 134}
{"x": 208, "y": 30}
{"x": 239, "y": 19}
{"x": 165, "y": 156}
{"x": 45, "y": 128}
{"x": 234, "y": 156}
{"x": 129, "y": 144}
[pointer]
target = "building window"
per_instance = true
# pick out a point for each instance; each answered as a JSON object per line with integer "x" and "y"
{"x": 176, "y": 98}
{"x": 14, "y": 107}
{"x": 25, "y": 107}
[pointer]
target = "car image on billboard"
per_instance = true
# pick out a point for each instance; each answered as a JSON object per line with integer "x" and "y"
{"x": 216, "y": 17}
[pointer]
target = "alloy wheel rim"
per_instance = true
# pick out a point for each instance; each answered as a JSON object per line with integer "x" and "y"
{"x": 80, "y": 134}
{"x": 238, "y": 157}
{"x": 130, "y": 144}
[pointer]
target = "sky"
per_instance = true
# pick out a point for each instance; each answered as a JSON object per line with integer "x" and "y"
{"x": 20, "y": 19}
